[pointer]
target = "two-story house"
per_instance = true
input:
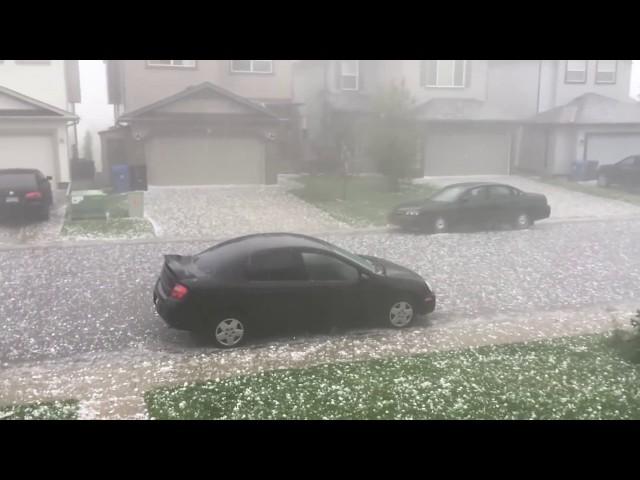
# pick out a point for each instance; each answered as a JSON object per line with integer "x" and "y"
{"x": 198, "y": 122}
{"x": 36, "y": 104}
{"x": 476, "y": 116}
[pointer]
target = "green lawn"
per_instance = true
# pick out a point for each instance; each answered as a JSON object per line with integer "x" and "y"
{"x": 113, "y": 228}
{"x": 368, "y": 200}
{"x": 58, "y": 410}
{"x": 568, "y": 378}
{"x": 611, "y": 192}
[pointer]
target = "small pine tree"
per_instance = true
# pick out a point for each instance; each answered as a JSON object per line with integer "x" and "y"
{"x": 88, "y": 146}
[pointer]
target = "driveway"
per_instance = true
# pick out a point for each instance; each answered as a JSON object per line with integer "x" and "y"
{"x": 565, "y": 204}
{"x": 21, "y": 231}
{"x": 222, "y": 211}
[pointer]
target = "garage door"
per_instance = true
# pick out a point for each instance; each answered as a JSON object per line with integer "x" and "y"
{"x": 611, "y": 148}
{"x": 28, "y": 151}
{"x": 205, "y": 161}
{"x": 465, "y": 152}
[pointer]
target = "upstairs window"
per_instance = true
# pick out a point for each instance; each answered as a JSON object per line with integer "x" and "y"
{"x": 444, "y": 73}
{"x": 252, "y": 66}
{"x": 576, "y": 71}
{"x": 349, "y": 74}
{"x": 606, "y": 71}
{"x": 172, "y": 63}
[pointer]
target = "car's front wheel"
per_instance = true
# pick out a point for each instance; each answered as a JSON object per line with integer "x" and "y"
{"x": 400, "y": 313}
{"x": 227, "y": 331}
{"x": 440, "y": 225}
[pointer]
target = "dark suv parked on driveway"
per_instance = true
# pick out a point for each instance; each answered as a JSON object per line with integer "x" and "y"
{"x": 25, "y": 191}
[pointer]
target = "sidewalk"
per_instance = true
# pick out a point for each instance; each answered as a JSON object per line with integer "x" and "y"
{"x": 110, "y": 386}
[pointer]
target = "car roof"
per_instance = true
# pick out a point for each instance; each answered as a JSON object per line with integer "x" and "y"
{"x": 265, "y": 241}
{"x": 479, "y": 184}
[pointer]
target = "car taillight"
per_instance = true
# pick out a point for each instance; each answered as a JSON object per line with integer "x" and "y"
{"x": 179, "y": 291}
{"x": 33, "y": 196}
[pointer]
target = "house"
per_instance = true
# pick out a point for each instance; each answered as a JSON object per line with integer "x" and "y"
{"x": 477, "y": 116}
{"x": 201, "y": 122}
{"x": 37, "y": 100}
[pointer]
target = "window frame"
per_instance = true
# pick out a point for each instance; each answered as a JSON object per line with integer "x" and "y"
{"x": 579, "y": 82}
{"x": 251, "y": 70}
{"x": 351, "y": 75}
{"x": 249, "y": 269}
{"x": 172, "y": 66}
{"x": 615, "y": 74}
{"x": 464, "y": 75}
{"x": 337, "y": 258}
{"x": 484, "y": 197}
{"x": 490, "y": 188}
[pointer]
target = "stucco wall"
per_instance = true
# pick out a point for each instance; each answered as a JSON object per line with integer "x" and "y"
{"x": 44, "y": 82}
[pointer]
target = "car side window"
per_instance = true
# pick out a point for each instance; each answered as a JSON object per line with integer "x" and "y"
{"x": 321, "y": 267}
{"x": 276, "y": 265}
{"x": 500, "y": 192}
{"x": 476, "y": 195}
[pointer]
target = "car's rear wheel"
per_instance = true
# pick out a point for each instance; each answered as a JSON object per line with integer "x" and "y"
{"x": 228, "y": 331}
{"x": 400, "y": 313}
{"x": 522, "y": 221}
{"x": 603, "y": 180}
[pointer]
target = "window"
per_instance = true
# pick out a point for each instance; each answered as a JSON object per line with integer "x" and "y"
{"x": 252, "y": 66}
{"x": 576, "y": 71}
{"x": 321, "y": 267}
{"x": 476, "y": 195}
{"x": 349, "y": 74}
{"x": 18, "y": 180}
{"x": 606, "y": 71}
{"x": 276, "y": 265}
{"x": 444, "y": 73}
{"x": 500, "y": 192}
{"x": 172, "y": 63}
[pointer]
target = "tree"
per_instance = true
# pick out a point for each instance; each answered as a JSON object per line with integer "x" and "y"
{"x": 394, "y": 134}
{"x": 87, "y": 147}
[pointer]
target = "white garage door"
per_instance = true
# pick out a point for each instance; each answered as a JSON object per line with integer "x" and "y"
{"x": 205, "y": 161}
{"x": 28, "y": 151}
{"x": 465, "y": 152}
{"x": 611, "y": 148}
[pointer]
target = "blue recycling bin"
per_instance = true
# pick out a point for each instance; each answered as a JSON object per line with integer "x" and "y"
{"x": 121, "y": 178}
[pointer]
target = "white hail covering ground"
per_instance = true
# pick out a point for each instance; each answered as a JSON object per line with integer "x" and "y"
{"x": 206, "y": 212}
{"x": 565, "y": 204}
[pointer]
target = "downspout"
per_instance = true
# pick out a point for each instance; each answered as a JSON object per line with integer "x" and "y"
{"x": 539, "y": 86}
{"x": 75, "y": 133}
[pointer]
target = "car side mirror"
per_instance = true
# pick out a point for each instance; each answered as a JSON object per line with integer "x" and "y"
{"x": 364, "y": 276}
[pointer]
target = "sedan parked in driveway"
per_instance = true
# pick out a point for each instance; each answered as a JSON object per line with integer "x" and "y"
{"x": 267, "y": 283}
{"x": 476, "y": 205}
{"x": 625, "y": 173}
{"x": 25, "y": 191}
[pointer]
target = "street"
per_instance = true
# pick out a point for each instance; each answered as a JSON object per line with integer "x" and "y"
{"x": 59, "y": 302}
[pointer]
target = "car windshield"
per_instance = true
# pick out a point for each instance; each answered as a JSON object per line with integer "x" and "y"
{"x": 449, "y": 194}
{"x": 18, "y": 180}
{"x": 363, "y": 262}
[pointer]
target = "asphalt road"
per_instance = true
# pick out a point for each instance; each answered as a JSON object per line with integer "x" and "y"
{"x": 58, "y": 302}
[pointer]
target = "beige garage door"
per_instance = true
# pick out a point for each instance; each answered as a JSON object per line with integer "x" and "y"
{"x": 28, "y": 151}
{"x": 465, "y": 152}
{"x": 611, "y": 148}
{"x": 205, "y": 161}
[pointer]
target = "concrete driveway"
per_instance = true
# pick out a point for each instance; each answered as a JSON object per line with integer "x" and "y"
{"x": 565, "y": 204}
{"x": 223, "y": 211}
{"x": 21, "y": 231}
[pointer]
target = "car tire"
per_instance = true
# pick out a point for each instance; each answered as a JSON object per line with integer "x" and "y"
{"x": 522, "y": 221}
{"x": 603, "y": 181}
{"x": 400, "y": 313}
{"x": 440, "y": 225}
{"x": 227, "y": 331}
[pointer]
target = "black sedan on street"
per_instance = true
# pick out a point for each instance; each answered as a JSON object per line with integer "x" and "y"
{"x": 280, "y": 282}
{"x": 25, "y": 191}
{"x": 475, "y": 205}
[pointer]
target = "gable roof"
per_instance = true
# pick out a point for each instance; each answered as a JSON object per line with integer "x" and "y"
{"x": 35, "y": 108}
{"x": 591, "y": 108}
{"x": 193, "y": 90}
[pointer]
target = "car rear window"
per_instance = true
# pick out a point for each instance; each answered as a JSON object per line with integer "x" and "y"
{"x": 18, "y": 180}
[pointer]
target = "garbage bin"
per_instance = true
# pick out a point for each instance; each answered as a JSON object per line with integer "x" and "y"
{"x": 88, "y": 204}
{"x": 121, "y": 178}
